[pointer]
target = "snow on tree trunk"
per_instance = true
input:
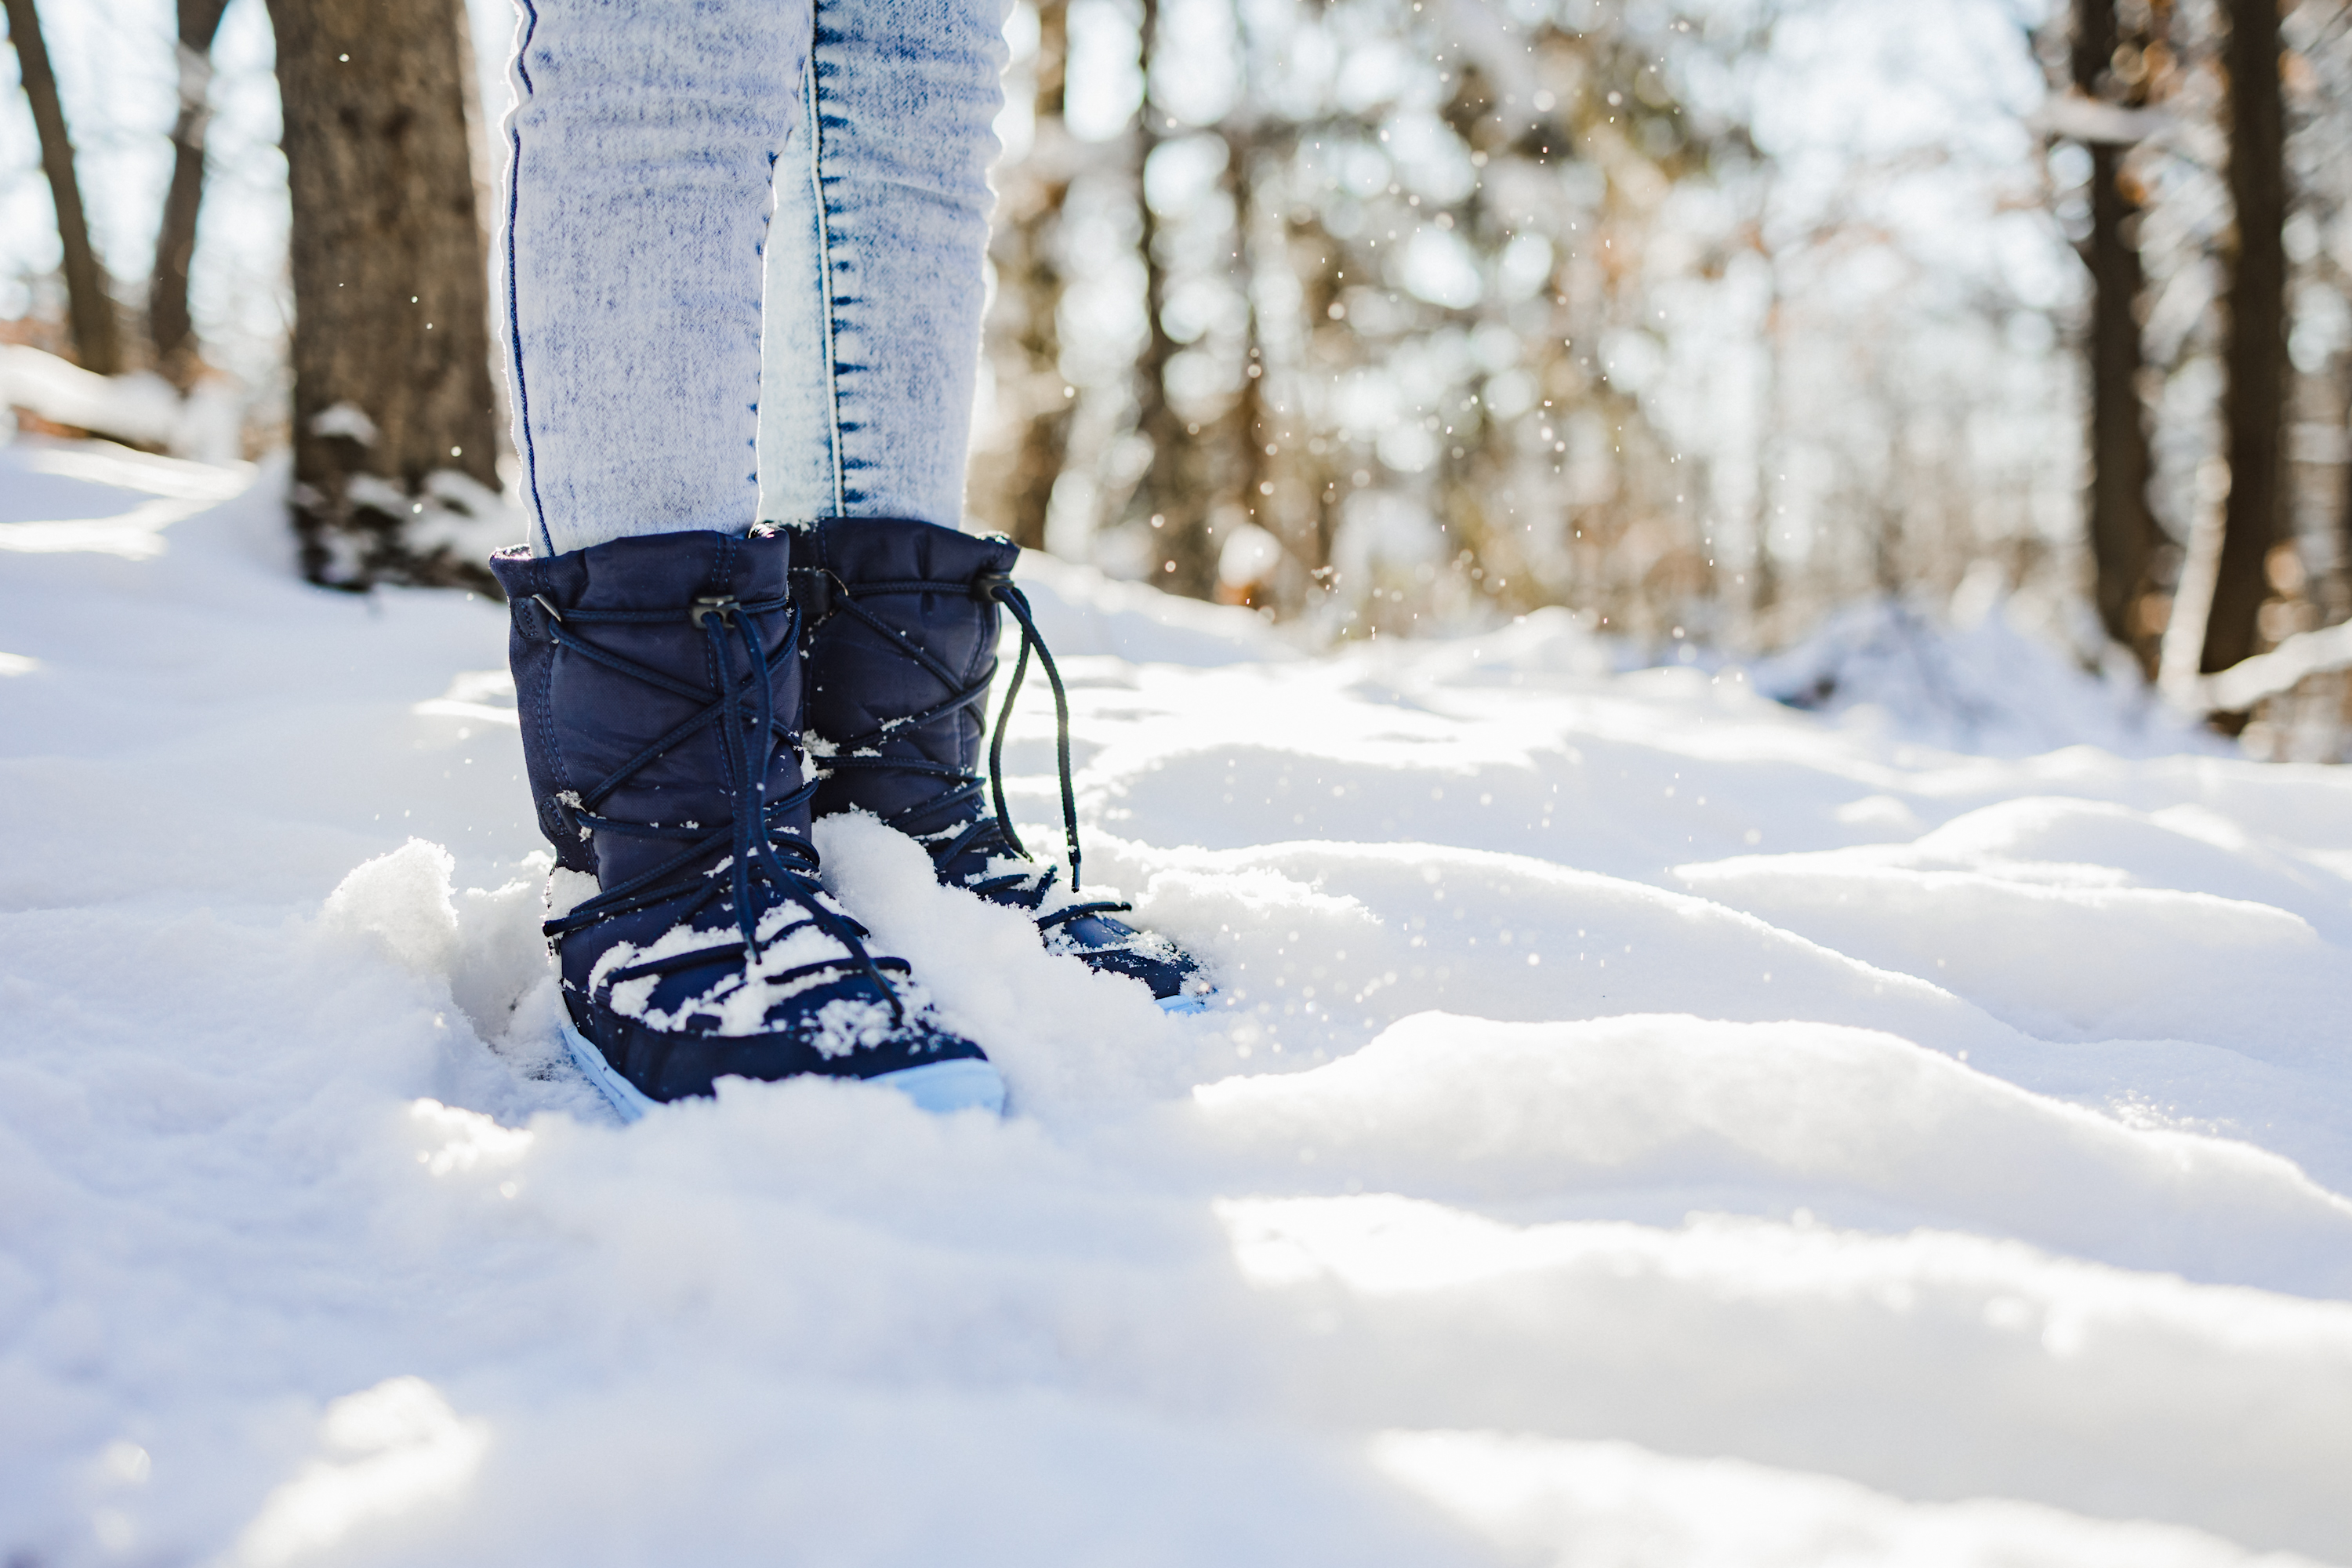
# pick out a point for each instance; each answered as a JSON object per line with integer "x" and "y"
{"x": 392, "y": 380}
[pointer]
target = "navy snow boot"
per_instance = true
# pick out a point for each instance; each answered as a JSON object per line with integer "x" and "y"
{"x": 902, "y": 621}
{"x": 659, "y": 694}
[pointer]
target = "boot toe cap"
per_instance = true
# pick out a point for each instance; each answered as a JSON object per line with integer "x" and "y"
{"x": 663, "y": 1065}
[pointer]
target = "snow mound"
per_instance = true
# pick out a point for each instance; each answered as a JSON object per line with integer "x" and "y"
{"x": 1082, "y": 611}
{"x": 1643, "y": 1123}
{"x": 1982, "y": 686}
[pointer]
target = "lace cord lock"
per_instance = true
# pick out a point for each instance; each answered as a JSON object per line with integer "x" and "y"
{"x": 547, "y": 608}
{"x": 815, "y": 589}
{"x": 987, "y": 586}
{"x": 724, "y": 605}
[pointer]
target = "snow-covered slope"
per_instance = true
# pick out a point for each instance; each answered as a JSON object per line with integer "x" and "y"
{"x": 1649, "y": 1125}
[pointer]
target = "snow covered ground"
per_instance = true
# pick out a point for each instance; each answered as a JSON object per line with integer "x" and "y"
{"x": 1651, "y": 1125}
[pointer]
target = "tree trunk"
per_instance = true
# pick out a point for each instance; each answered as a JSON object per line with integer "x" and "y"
{"x": 392, "y": 379}
{"x": 2122, "y": 529}
{"x": 1170, "y": 499}
{"x": 1033, "y": 270}
{"x": 2253, "y": 409}
{"x": 2339, "y": 604}
{"x": 168, "y": 327}
{"x": 2124, "y": 534}
{"x": 1250, "y": 431}
{"x": 96, "y": 337}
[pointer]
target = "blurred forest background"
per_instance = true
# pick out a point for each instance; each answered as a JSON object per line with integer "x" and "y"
{"x": 1725, "y": 324}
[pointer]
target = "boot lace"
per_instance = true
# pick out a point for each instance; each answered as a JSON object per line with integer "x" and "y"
{"x": 758, "y": 849}
{"x": 987, "y": 834}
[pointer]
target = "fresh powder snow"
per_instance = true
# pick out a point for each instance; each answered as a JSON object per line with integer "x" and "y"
{"x": 1643, "y": 1123}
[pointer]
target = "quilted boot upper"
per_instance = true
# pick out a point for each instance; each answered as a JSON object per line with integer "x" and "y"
{"x": 659, "y": 686}
{"x": 902, "y": 623}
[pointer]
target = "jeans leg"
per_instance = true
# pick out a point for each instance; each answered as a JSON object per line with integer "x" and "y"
{"x": 874, "y": 279}
{"x": 641, "y": 154}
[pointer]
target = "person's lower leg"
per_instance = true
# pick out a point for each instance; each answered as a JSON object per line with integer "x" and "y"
{"x": 873, "y": 305}
{"x": 875, "y": 268}
{"x": 656, "y": 640}
{"x": 641, "y": 150}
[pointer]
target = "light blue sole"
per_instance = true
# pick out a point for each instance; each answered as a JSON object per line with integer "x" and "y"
{"x": 627, "y": 1098}
{"x": 940, "y": 1087}
{"x": 1185, "y": 1004}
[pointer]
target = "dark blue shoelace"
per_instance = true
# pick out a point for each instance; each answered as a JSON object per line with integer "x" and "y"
{"x": 984, "y": 831}
{"x": 743, "y": 703}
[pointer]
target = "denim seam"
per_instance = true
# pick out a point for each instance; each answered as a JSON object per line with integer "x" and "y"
{"x": 821, "y": 217}
{"x": 514, "y": 311}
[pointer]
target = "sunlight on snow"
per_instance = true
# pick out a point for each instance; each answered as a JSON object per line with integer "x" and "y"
{"x": 1377, "y": 1243}
{"x": 1543, "y": 1501}
{"x": 101, "y": 500}
{"x": 485, "y": 694}
{"x": 135, "y": 534}
{"x": 468, "y": 1139}
{"x": 399, "y": 1446}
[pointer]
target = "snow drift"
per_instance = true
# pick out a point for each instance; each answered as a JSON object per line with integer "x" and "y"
{"x": 1647, "y": 1125}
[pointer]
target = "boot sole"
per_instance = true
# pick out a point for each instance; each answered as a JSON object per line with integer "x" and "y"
{"x": 940, "y": 1087}
{"x": 1185, "y": 1004}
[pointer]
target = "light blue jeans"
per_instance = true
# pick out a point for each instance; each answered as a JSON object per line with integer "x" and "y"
{"x": 667, "y": 158}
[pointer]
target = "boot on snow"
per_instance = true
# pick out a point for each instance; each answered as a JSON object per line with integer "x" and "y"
{"x": 901, "y": 626}
{"x": 658, "y": 685}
